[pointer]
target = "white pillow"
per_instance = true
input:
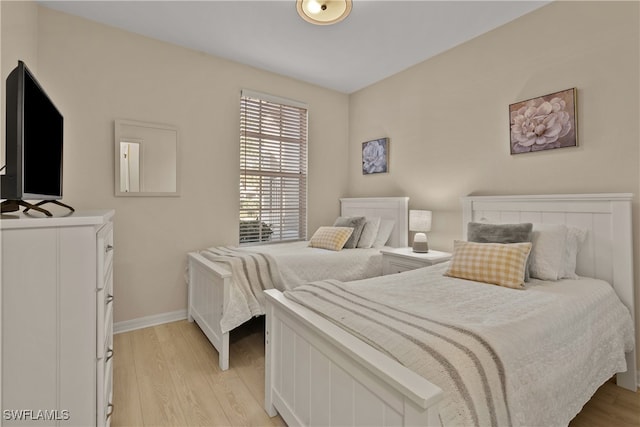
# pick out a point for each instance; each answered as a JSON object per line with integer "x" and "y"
{"x": 575, "y": 237}
{"x": 369, "y": 232}
{"x": 546, "y": 261}
{"x": 384, "y": 232}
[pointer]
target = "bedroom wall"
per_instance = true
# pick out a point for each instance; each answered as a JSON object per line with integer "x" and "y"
{"x": 97, "y": 74}
{"x": 19, "y": 23}
{"x": 447, "y": 118}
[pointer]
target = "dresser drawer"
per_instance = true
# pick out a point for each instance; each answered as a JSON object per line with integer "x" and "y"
{"x": 105, "y": 253}
{"x": 105, "y": 392}
{"x": 104, "y": 316}
{"x": 398, "y": 266}
{"x": 105, "y": 337}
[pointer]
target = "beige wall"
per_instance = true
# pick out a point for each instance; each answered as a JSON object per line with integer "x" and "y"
{"x": 447, "y": 118}
{"x": 96, "y": 74}
{"x": 19, "y": 24}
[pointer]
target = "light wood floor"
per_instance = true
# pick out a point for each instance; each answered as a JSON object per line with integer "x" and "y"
{"x": 168, "y": 375}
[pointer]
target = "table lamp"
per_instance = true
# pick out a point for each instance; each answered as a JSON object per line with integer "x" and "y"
{"x": 420, "y": 221}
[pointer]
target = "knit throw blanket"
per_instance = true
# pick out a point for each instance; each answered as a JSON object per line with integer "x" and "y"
{"x": 251, "y": 274}
{"x": 457, "y": 360}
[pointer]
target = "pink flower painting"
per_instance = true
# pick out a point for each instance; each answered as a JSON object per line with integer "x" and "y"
{"x": 544, "y": 123}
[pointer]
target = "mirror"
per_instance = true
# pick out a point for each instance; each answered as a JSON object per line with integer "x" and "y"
{"x": 146, "y": 159}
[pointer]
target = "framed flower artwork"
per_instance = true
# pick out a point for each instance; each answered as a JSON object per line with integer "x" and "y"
{"x": 375, "y": 156}
{"x": 544, "y": 123}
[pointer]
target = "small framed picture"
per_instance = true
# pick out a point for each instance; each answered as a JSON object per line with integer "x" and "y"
{"x": 375, "y": 156}
{"x": 544, "y": 123}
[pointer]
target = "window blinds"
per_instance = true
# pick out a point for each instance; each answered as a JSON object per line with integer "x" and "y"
{"x": 273, "y": 169}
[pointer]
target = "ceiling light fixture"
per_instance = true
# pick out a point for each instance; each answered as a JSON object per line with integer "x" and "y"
{"x": 323, "y": 12}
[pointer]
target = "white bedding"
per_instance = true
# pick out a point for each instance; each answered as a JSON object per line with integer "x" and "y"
{"x": 286, "y": 266}
{"x": 298, "y": 263}
{"x": 558, "y": 341}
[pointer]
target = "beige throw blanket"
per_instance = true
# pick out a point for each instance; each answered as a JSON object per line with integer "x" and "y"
{"x": 456, "y": 359}
{"x": 252, "y": 273}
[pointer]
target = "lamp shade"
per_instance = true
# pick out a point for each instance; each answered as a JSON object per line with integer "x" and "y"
{"x": 419, "y": 220}
{"x": 323, "y": 12}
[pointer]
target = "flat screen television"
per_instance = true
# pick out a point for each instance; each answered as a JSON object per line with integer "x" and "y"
{"x": 34, "y": 145}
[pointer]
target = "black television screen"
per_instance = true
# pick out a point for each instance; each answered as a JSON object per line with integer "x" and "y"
{"x": 34, "y": 140}
{"x": 41, "y": 144}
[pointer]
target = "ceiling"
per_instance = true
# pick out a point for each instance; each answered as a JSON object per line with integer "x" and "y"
{"x": 378, "y": 39}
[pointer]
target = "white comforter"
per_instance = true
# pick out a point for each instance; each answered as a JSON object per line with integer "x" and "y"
{"x": 558, "y": 341}
{"x": 287, "y": 266}
{"x": 298, "y": 263}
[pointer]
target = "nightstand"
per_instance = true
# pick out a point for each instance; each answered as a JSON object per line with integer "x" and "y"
{"x": 396, "y": 260}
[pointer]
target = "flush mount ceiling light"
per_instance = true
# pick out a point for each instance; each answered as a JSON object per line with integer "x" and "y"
{"x": 323, "y": 12}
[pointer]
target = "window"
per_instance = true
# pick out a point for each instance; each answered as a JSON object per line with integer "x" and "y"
{"x": 273, "y": 169}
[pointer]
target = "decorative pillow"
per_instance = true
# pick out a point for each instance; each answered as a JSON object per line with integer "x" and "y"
{"x": 369, "y": 232}
{"x": 355, "y": 222}
{"x": 496, "y": 263}
{"x": 575, "y": 237}
{"x": 332, "y": 238}
{"x": 547, "y": 255}
{"x": 500, "y": 233}
{"x": 384, "y": 232}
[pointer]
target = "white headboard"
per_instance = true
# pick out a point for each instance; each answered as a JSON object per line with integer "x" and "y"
{"x": 606, "y": 254}
{"x": 395, "y": 208}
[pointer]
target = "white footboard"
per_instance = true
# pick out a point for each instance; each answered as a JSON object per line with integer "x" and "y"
{"x": 318, "y": 374}
{"x": 208, "y": 294}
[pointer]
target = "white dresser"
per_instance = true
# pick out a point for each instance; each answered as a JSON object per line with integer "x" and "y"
{"x": 57, "y": 319}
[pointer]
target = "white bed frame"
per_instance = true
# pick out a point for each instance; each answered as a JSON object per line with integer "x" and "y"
{"x": 209, "y": 282}
{"x": 318, "y": 374}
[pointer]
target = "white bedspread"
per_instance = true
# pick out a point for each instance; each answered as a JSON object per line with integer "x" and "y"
{"x": 287, "y": 265}
{"x": 558, "y": 341}
{"x": 298, "y": 263}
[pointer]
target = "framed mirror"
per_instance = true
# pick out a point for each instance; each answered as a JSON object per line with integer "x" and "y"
{"x": 146, "y": 159}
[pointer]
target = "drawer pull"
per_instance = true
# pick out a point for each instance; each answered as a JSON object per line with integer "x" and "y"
{"x": 108, "y": 248}
{"x": 109, "y": 354}
{"x": 109, "y": 410}
{"x": 109, "y": 299}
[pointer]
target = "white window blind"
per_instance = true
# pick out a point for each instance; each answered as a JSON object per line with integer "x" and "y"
{"x": 273, "y": 169}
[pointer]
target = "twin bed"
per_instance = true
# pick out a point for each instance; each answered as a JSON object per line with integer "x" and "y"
{"x": 369, "y": 352}
{"x": 220, "y": 299}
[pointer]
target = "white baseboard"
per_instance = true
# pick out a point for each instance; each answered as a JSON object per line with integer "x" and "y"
{"x": 145, "y": 322}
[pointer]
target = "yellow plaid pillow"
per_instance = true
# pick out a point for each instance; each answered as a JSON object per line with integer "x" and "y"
{"x": 496, "y": 263}
{"x": 332, "y": 238}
